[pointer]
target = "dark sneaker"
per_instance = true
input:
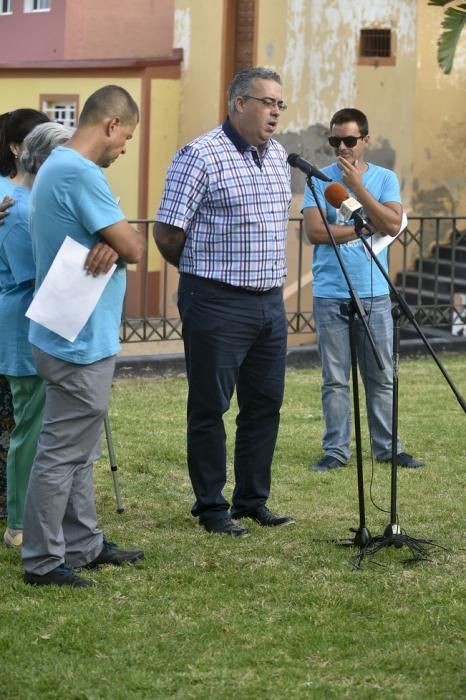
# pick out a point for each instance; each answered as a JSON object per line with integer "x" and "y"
{"x": 266, "y": 518}
{"x": 326, "y": 463}
{"x": 226, "y": 526}
{"x": 111, "y": 554}
{"x": 403, "y": 459}
{"x": 61, "y": 576}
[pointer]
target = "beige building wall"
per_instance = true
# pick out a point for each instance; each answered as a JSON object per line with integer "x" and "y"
{"x": 417, "y": 115}
{"x": 314, "y": 45}
{"x": 164, "y": 130}
{"x": 26, "y": 92}
{"x": 199, "y": 32}
{"x": 438, "y": 124}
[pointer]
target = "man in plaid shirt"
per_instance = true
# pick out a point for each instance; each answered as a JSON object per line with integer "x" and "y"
{"x": 223, "y": 222}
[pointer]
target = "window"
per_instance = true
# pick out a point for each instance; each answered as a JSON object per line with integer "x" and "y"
{"x": 61, "y": 108}
{"x": 5, "y": 7}
{"x": 376, "y": 47}
{"x": 37, "y": 5}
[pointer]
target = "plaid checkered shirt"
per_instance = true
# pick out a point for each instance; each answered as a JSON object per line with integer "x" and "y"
{"x": 233, "y": 204}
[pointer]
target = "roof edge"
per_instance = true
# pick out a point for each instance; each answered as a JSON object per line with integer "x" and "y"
{"x": 174, "y": 59}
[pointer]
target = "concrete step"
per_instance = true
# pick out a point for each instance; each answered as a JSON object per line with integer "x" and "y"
{"x": 444, "y": 268}
{"x": 443, "y": 284}
{"x": 448, "y": 252}
{"x": 425, "y": 298}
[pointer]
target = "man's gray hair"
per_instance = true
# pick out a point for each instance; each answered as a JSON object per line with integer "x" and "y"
{"x": 40, "y": 142}
{"x": 241, "y": 83}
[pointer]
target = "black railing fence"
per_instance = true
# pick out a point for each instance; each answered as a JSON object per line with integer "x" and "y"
{"x": 427, "y": 265}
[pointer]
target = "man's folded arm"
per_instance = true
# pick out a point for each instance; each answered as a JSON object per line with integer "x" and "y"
{"x": 170, "y": 241}
{"x": 317, "y": 233}
{"x": 121, "y": 241}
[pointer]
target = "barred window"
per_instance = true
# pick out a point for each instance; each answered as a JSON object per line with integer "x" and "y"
{"x": 376, "y": 47}
{"x": 62, "y": 110}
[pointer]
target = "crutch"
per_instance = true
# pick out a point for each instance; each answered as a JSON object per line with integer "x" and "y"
{"x": 113, "y": 464}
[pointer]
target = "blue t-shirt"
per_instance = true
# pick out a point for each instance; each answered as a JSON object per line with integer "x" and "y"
{"x": 17, "y": 272}
{"x": 368, "y": 281}
{"x": 6, "y": 187}
{"x": 71, "y": 197}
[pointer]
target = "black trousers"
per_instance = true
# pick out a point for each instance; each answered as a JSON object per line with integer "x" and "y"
{"x": 232, "y": 338}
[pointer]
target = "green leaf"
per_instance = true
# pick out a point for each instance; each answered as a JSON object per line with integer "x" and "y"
{"x": 452, "y": 25}
{"x": 439, "y": 3}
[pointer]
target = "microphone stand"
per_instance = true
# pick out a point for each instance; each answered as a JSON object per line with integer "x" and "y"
{"x": 393, "y": 536}
{"x": 354, "y": 308}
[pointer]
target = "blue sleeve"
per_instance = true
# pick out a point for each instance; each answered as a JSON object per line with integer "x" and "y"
{"x": 96, "y": 204}
{"x": 17, "y": 248}
{"x": 309, "y": 199}
{"x": 185, "y": 188}
{"x": 390, "y": 188}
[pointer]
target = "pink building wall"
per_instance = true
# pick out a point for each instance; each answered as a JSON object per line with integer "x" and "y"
{"x": 88, "y": 29}
{"x": 32, "y": 36}
{"x": 118, "y": 28}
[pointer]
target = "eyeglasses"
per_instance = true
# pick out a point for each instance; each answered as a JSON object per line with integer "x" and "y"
{"x": 349, "y": 141}
{"x": 267, "y": 102}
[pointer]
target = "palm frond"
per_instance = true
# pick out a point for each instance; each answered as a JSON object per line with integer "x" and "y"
{"x": 453, "y": 24}
{"x": 439, "y": 3}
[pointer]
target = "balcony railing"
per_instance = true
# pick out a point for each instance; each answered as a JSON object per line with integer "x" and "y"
{"x": 427, "y": 265}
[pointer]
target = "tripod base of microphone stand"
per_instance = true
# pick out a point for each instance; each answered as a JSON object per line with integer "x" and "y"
{"x": 394, "y": 537}
{"x": 393, "y": 531}
{"x": 362, "y": 538}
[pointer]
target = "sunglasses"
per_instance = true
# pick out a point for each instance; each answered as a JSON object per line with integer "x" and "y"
{"x": 349, "y": 141}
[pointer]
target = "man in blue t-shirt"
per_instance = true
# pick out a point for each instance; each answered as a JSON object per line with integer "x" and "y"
{"x": 377, "y": 190}
{"x": 71, "y": 197}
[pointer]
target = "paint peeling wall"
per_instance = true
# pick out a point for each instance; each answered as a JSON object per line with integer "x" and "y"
{"x": 315, "y": 44}
{"x": 417, "y": 116}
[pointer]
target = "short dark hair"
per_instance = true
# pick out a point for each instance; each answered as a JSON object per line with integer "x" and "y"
{"x": 241, "y": 83}
{"x": 109, "y": 101}
{"x": 343, "y": 116}
{"x": 14, "y": 127}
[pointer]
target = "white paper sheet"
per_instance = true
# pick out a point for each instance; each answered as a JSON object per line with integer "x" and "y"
{"x": 378, "y": 242}
{"x": 68, "y": 295}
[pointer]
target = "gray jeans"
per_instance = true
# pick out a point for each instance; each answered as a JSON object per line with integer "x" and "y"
{"x": 60, "y": 520}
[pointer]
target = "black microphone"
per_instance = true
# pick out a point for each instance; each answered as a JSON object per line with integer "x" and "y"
{"x": 307, "y": 168}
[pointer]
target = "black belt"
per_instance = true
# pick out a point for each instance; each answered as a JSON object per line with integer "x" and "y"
{"x": 232, "y": 287}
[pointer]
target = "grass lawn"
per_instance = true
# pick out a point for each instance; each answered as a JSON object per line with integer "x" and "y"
{"x": 281, "y": 614}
